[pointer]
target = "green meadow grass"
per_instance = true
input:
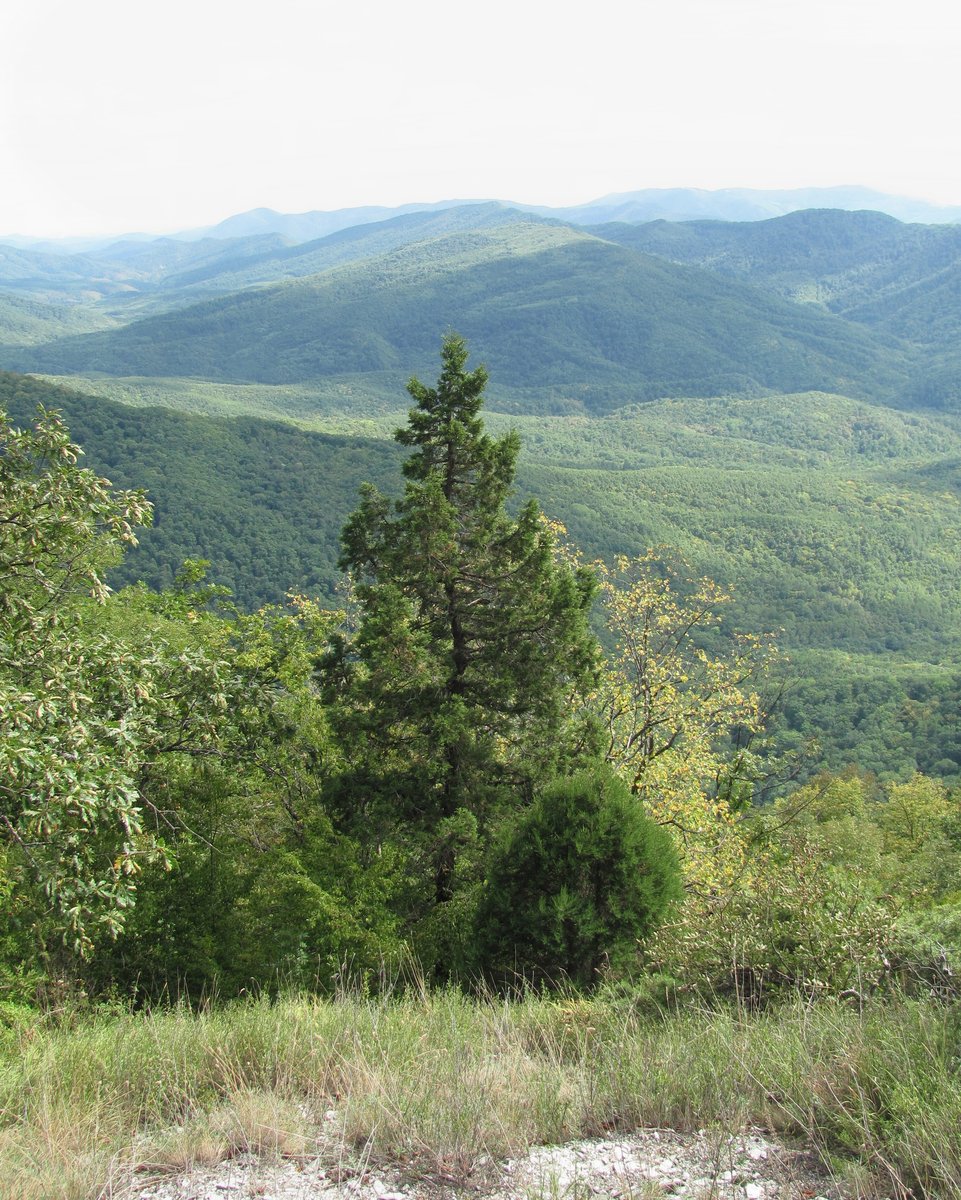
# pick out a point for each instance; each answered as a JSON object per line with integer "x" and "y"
{"x": 445, "y": 1083}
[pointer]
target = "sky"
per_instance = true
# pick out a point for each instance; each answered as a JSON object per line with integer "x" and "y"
{"x": 132, "y": 115}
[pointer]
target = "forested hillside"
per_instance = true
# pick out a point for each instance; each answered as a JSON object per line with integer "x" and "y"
{"x": 571, "y": 322}
{"x": 570, "y": 317}
{"x": 834, "y": 259}
{"x": 831, "y": 521}
{"x": 26, "y": 322}
{"x": 488, "y": 769}
{"x": 263, "y": 503}
{"x": 901, "y": 281}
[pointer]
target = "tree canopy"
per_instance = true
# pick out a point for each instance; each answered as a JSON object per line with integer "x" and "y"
{"x": 72, "y": 707}
{"x": 472, "y": 638}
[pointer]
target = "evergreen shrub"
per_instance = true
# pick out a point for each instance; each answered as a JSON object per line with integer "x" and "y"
{"x": 575, "y": 885}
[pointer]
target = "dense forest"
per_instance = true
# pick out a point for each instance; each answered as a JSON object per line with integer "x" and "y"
{"x": 828, "y": 520}
{"x": 507, "y": 757}
{"x": 630, "y": 679}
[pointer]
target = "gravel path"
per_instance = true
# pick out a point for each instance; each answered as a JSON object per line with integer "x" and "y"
{"x": 643, "y": 1166}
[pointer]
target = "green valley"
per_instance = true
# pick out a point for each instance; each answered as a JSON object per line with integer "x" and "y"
{"x": 833, "y": 522}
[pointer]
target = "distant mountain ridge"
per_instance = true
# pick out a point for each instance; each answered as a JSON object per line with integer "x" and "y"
{"x": 748, "y": 204}
{"x": 646, "y": 204}
{"x": 564, "y": 319}
{"x": 305, "y": 227}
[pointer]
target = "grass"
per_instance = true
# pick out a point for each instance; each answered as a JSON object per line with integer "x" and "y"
{"x": 444, "y": 1083}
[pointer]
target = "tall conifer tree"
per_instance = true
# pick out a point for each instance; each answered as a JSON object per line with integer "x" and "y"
{"x": 473, "y": 638}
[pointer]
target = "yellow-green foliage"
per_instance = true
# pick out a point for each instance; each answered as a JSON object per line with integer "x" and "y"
{"x": 823, "y": 903}
{"x": 668, "y": 707}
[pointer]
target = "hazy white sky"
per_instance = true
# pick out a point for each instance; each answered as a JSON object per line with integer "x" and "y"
{"x": 123, "y": 115}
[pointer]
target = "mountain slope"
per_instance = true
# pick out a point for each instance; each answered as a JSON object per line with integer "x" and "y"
{"x": 346, "y": 246}
{"x": 833, "y": 518}
{"x": 837, "y": 259}
{"x": 926, "y": 312}
{"x": 262, "y": 501}
{"x": 124, "y": 271}
{"x": 28, "y": 322}
{"x": 564, "y": 318}
{"x": 901, "y": 281}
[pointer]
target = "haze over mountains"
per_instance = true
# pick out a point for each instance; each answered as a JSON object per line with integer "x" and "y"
{"x": 779, "y": 399}
{"x": 568, "y": 317}
{"x": 648, "y": 204}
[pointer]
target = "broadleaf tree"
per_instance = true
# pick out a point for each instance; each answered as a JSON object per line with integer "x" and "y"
{"x": 69, "y": 704}
{"x": 679, "y": 720}
{"x": 98, "y": 693}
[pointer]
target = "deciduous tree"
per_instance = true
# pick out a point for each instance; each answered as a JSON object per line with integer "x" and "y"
{"x": 678, "y": 718}
{"x": 70, "y": 705}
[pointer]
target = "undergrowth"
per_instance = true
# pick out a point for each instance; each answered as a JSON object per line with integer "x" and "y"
{"x": 445, "y": 1083}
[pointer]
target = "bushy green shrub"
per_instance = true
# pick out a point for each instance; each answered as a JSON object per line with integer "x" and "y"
{"x": 926, "y": 955}
{"x": 578, "y": 881}
{"x": 847, "y": 887}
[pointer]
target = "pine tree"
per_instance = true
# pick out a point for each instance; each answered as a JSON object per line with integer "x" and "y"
{"x": 456, "y": 691}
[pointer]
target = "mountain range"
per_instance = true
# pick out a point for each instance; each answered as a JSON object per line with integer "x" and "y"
{"x": 648, "y": 204}
{"x": 779, "y": 400}
{"x": 568, "y": 317}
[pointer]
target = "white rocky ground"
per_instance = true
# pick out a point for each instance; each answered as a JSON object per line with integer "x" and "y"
{"x": 643, "y": 1166}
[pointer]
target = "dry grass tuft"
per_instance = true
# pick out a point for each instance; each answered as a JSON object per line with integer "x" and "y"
{"x": 265, "y": 1123}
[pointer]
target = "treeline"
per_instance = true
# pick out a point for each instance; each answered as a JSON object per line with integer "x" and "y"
{"x": 199, "y": 799}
